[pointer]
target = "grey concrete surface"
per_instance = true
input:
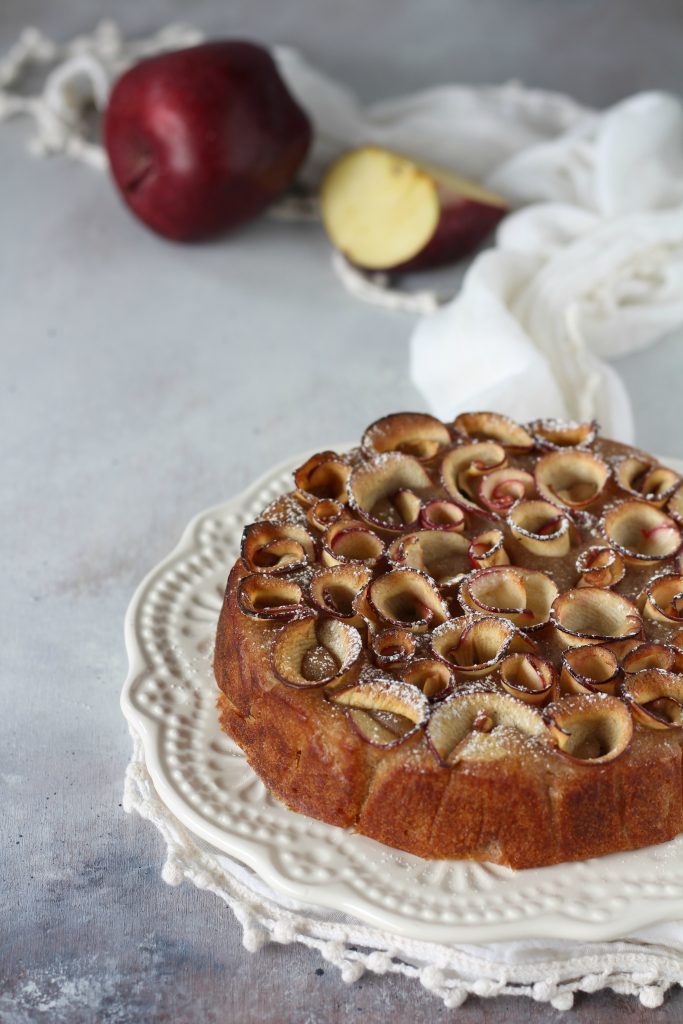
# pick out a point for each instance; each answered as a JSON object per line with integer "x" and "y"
{"x": 143, "y": 381}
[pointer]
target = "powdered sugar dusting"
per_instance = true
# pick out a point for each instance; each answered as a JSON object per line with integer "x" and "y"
{"x": 586, "y": 526}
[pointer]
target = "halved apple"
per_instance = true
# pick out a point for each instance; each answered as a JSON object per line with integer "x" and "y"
{"x": 383, "y": 211}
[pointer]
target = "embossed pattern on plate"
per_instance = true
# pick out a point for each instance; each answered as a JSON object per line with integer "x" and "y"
{"x": 169, "y": 698}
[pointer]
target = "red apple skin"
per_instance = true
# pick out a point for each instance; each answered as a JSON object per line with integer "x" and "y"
{"x": 203, "y": 139}
{"x": 463, "y": 225}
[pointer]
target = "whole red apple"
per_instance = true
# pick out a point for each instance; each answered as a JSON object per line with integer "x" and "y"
{"x": 201, "y": 140}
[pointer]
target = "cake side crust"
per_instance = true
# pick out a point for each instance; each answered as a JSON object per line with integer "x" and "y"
{"x": 523, "y": 812}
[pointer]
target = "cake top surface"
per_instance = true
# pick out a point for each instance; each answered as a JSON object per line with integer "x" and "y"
{"x": 484, "y": 583}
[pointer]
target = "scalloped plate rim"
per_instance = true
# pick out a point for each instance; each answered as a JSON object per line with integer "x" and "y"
{"x": 336, "y": 896}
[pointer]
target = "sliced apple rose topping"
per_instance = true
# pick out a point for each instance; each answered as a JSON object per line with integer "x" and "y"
{"x": 574, "y": 478}
{"x": 407, "y": 598}
{"x": 555, "y": 435}
{"x": 651, "y": 655}
{"x": 540, "y": 527}
{"x": 276, "y": 548}
{"x": 334, "y": 590}
{"x": 392, "y": 646}
{"x": 441, "y": 554}
{"x": 522, "y": 595}
{"x": 384, "y": 712}
{"x": 388, "y": 491}
{"x": 600, "y": 566}
{"x": 347, "y": 540}
{"x": 323, "y": 513}
{"x": 675, "y": 504}
{"x": 431, "y": 676}
{"x": 460, "y": 717}
{"x": 412, "y": 433}
{"x": 462, "y": 469}
{"x": 641, "y": 533}
{"x": 503, "y": 488}
{"x": 322, "y": 476}
{"x": 442, "y": 515}
{"x": 590, "y": 729}
{"x": 646, "y": 480}
{"x": 488, "y": 549}
{"x": 590, "y": 669}
{"x": 662, "y": 599}
{"x": 528, "y": 677}
{"x": 474, "y": 645}
{"x": 270, "y": 597}
{"x": 655, "y": 698}
{"x": 311, "y": 652}
{"x": 591, "y": 615}
{"x": 491, "y": 426}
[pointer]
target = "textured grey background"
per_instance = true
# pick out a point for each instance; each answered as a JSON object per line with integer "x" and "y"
{"x": 141, "y": 382}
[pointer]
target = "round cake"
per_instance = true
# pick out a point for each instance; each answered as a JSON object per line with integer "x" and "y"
{"x": 465, "y": 640}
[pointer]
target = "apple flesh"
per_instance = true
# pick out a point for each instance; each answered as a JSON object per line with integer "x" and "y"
{"x": 385, "y": 212}
{"x": 203, "y": 139}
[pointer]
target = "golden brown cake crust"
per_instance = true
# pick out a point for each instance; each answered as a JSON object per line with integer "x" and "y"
{"x": 499, "y": 794}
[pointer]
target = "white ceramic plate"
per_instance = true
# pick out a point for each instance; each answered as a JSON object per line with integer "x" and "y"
{"x": 169, "y": 698}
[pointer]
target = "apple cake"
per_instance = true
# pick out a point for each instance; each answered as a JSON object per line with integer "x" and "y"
{"x": 465, "y": 640}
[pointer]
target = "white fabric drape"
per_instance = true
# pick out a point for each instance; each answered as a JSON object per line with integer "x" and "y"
{"x": 589, "y": 268}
